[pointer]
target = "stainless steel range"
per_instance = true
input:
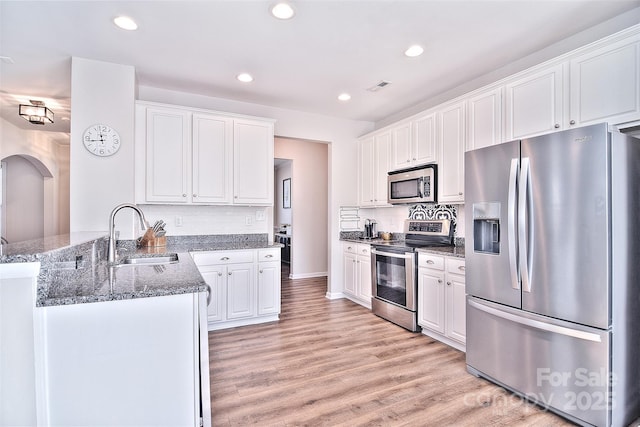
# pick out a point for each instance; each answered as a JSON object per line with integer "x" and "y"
{"x": 394, "y": 270}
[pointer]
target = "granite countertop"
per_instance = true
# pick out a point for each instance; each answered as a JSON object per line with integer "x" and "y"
{"x": 80, "y": 274}
{"x": 37, "y": 249}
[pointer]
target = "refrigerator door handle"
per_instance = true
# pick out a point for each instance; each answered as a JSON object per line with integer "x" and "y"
{"x": 511, "y": 225}
{"x": 525, "y": 229}
{"x": 536, "y": 324}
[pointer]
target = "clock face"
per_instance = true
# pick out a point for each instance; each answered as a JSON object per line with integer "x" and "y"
{"x": 101, "y": 140}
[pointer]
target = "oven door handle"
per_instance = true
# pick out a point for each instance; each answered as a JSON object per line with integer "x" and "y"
{"x": 405, "y": 256}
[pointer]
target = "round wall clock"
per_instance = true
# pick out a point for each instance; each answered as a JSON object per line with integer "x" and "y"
{"x": 101, "y": 140}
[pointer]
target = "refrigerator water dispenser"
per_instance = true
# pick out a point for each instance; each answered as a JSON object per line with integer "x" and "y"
{"x": 486, "y": 227}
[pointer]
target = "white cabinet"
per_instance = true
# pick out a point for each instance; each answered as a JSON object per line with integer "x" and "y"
{"x": 357, "y": 272}
{"x": 188, "y": 156}
{"x": 142, "y": 361}
{"x": 484, "y": 113}
{"x": 245, "y": 286}
{"x": 373, "y": 165}
{"x": 534, "y": 103}
{"x": 252, "y": 162}
{"x": 442, "y": 298}
{"x": 414, "y": 142}
{"x": 605, "y": 84}
{"x": 451, "y": 143}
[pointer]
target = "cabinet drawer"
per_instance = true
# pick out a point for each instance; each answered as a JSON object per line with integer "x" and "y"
{"x": 350, "y": 247}
{"x": 222, "y": 257}
{"x": 455, "y": 265}
{"x": 364, "y": 250}
{"x": 431, "y": 261}
{"x": 269, "y": 254}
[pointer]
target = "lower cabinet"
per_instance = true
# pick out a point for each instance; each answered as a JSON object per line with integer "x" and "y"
{"x": 442, "y": 298}
{"x": 357, "y": 273}
{"x": 142, "y": 361}
{"x": 245, "y": 286}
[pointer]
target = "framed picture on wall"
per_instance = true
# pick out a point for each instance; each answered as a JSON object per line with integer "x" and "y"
{"x": 286, "y": 193}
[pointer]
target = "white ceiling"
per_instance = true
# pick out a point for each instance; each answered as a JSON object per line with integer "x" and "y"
{"x": 329, "y": 47}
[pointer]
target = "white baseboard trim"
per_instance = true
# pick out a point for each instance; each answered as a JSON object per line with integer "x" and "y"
{"x": 308, "y": 275}
{"x": 334, "y": 295}
{"x": 455, "y": 344}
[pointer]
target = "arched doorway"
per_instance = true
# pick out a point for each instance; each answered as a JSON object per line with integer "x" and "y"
{"x": 22, "y": 209}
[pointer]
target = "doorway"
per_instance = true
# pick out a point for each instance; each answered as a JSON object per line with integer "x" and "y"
{"x": 22, "y": 205}
{"x": 301, "y": 204}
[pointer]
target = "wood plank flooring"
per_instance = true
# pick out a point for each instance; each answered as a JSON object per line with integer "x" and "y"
{"x": 333, "y": 363}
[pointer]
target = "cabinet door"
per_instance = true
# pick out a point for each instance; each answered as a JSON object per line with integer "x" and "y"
{"x": 485, "y": 119}
{"x": 365, "y": 172}
{"x": 381, "y": 168}
{"x": 167, "y": 159}
{"x": 534, "y": 104}
{"x": 212, "y": 159}
{"x": 364, "y": 277}
{"x": 605, "y": 85}
{"x": 452, "y": 143}
{"x": 253, "y": 162}
{"x": 350, "y": 276}
{"x": 214, "y": 276}
{"x": 268, "y": 288}
{"x": 241, "y": 295}
{"x": 456, "y": 308}
{"x": 431, "y": 299}
{"x": 401, "y": 156}
{"x": 424, "y": 139}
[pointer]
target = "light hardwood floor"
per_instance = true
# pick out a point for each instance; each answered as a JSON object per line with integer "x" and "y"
{"x": 331, "y": 363}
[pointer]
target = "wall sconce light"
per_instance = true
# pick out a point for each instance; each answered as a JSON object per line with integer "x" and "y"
{"x": 36, "y": 113}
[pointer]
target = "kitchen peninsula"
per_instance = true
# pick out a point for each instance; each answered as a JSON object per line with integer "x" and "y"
{"x": 98, "y": 335}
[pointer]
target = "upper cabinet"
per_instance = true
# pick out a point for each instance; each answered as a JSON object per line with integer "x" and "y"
{"x": 451, "y": 144}
{"x": 605, "y": 84}
{"x": 484, "y": 117}
{"x": 373, "y": 165}
{"x": 534, "y": 103}
{"x": 186, "y": 156}
{"x": 414, "y": 142}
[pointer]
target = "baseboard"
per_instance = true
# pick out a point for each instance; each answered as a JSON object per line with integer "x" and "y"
{"x": 334, "y": 295}
{"x": 308, "y": 275}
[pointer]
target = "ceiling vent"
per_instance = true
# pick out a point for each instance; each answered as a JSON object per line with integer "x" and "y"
{"x": 381, "y": 84}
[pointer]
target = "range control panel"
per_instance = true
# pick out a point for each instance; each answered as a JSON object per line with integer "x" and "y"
{"x": 428, "y": 227}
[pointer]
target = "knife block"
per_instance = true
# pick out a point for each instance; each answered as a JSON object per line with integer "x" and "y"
{"x": 149, "y": 240}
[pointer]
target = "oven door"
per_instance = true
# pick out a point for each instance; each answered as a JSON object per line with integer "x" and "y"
{"x": 393, "y": 277}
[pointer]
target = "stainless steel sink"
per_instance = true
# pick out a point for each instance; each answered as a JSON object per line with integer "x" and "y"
{"x": 169, "y": 258}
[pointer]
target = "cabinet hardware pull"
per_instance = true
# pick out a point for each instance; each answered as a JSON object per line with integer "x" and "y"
{"x": 220, "y": 273}
{"x": 229, "y": 273}
{"x": 460, "y": 193}
{"x": 414, "y": 159}
{"x": 557, "y": 126}
{"x": 449, "y": 283}
{"x": 260, "y": 271}
{"x": 184, "y": 195}
{"x": 269, "y": 256}
{"x": 461, "y": 267}
{"x": 195, "y": 195}
{"x": 439, "y": 280}
{"x": 224, "y": 258}
{"x": 572, "y": 122}
{"x": 430, "y": 261}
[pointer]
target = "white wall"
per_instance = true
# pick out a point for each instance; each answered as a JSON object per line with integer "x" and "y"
{"x": 309, "y": 199}
{"x": 45, "y": 147}
{"x": 341, "y": 134}
{"x": 102, "y": 93}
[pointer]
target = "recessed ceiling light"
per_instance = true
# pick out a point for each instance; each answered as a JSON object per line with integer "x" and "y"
{"x": 414, "y": 51}
{"x": 344, "y": 97}
{"x": 245, "y": 77}
{"x": 125, "y": 23}
{"x": 282, "y": 10}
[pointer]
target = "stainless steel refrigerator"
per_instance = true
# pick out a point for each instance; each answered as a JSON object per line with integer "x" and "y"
{"x": 553, "y": 271}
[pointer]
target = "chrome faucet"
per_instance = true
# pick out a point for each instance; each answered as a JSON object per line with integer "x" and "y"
{"x": 112, "y": 228}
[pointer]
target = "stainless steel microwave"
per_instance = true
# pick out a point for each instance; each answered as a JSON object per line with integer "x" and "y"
{"x": 415, "y": 185}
